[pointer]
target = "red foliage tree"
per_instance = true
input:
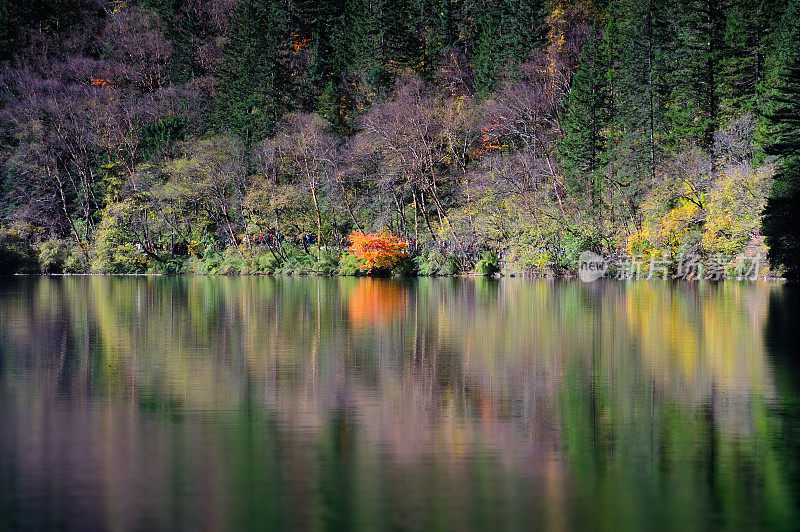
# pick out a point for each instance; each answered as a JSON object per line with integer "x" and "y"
{"x": 377, "y": 252}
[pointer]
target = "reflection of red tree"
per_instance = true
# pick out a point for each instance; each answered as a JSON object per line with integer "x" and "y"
{"x": 376, "y": 301}
{"x": 488, "y": 406}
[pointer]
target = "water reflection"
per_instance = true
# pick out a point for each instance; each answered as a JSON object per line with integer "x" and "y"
{"x": 355, "y": 403}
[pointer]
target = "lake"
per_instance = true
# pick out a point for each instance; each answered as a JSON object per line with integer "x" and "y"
{"x": 205, "y": 403}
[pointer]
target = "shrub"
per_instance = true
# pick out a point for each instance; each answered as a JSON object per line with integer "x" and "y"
{"x": 348, "y": 265}
{"x": 114, "y": 249}
{"x": 377, "y": 253}
{"x": 16, "y": 254}
{"x": 405, "y": 268}
{"x": 77, "y": 261}
{"x": 232, "y": 263}
{"x": 53, "y": 256}
{"x": 452, "y": 267}
{"x": 429, "y": 264}
{"x": 327, "y": 264}
{"x": 297, "y": 265}
{"x": 266, "y": 264}
{"x": 488, "y": 265}
{"x": 209, "y": 263}
{"x": 436, "y": 263}
{"x": 174, "y": 265}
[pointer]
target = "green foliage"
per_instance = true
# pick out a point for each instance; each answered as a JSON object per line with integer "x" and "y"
{"x": 115, "y": 249}
{"x": 266, "y": 264}
{"x": 693, "y": 112}
{"x": 76, "y": 262}
{"x": 298, "y": 265}
{"x": 405, "y": 267}
{"x": 16, "y": 253}
{"x": 748, "y": 38}
{"x": 489, "y": 264}
{"x": 173, "y": 265}
{"x": 327, "y": 263}
{"x": 160, "y": 135}
{"x": 436, "y": 263}
{"x": 782, "y": 219}
{"x": 349, "y": 265}
{"x": 433, "y": 119}
{"x": 503, "y": 37}
{"x": 253, "y": 83}
{"x": 584, "y": 121}
{"x": 232, "y": 263}
{"x": 53, "y": 255}
{"x": 18, "y": 15}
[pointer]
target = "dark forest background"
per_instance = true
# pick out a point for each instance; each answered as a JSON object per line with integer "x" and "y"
{"x": 254, "y": 136}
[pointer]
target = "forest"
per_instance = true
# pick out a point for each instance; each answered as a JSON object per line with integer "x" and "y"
{"x": 459, "y": 136}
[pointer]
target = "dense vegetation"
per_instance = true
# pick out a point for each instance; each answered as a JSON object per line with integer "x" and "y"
{"x": 255, "y": 136}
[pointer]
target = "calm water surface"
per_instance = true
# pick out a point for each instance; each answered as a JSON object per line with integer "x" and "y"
{"x": 257, "y": 403}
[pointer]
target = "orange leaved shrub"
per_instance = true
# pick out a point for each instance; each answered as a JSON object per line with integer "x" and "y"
{"x": 377, "y": 252}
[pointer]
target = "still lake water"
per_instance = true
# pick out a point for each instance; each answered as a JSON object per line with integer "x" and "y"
{"x": 135, "y": 403}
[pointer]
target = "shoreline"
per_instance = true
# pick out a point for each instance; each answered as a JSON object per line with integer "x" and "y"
{"x": 571, "y": 277}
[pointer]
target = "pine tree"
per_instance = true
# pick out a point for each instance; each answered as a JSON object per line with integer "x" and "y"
{"x": 584, "y": 122}
{"x": 782, "y": 215}
{"x": 747, "y": 39}
{"x": 693, "y": 112}
{"x": 501, "y": 35}
{"x": 253, "y": 84}
{"x": 180, "y": 28}
{"x": 638, "y": 39}
{"x": 383, "y": 39}
{"x": 47, "y": 15}
{"x": 326, "y": 28}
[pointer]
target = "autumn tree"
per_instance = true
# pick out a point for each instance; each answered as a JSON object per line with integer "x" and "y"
{"x": 305, "y": 154}
{"x": 377, "y": 253}
{"x": 211, "y": 176}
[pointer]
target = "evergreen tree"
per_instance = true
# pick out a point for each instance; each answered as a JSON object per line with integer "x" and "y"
{"x": 693, "y": 111}
{"x": 584, "y": 122}
{"x": 253, "y": 87}
{"x": 327, "y": 31}
{"x": 747, "y": 39}
{"x": 782, "y": 215}
{"x": 501, "y": 35}
{"x": 638, "y": 39}
{"x": 47, "y": 15}
{"x": 182, "y": 31}
{"x": 382, "y": 39}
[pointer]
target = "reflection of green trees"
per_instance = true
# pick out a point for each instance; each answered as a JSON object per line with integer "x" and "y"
{"x": 677, "y": 420}
{"x": 653, "y": 401}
